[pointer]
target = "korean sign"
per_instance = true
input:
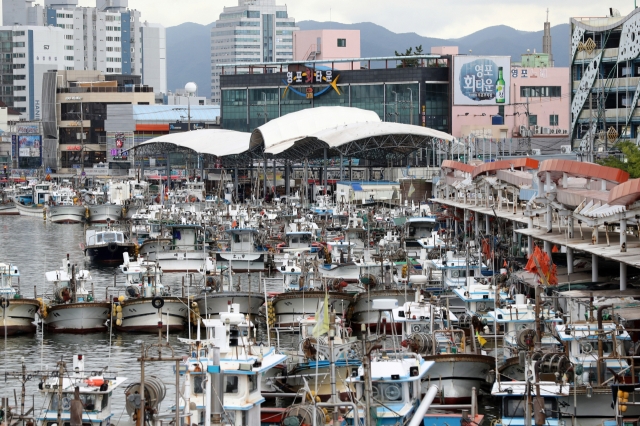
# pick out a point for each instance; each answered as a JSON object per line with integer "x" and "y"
{"x": 481, "y": 80}
{"x": 311, "y": 77}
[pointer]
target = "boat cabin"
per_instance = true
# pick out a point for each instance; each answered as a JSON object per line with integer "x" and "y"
{"x": 96, "y": 393}
{"x": 242, "y": 239}
{"x": 514, "y": 402}
{"x": 7, "y": 272}
{"x": 95, "y": 237}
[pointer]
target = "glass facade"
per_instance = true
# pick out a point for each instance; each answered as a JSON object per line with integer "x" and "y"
{"x": 436, "y": 104}
{"x": 267, "y": 38}
{"x": 369, "y": 97}
{"x": 244, "y": 108}
{"x": 403, "y": 105}
{"x": 6, "y": 67}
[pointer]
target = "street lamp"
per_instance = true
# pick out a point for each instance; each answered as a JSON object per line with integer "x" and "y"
{"x": 190, "y": 88}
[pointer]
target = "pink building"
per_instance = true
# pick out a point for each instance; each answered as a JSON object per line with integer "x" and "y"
{"x": 327, "y": 45}
{"x": 543, "y": 92}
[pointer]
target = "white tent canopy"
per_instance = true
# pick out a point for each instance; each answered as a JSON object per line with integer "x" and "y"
{"x": 216, "y": 142}
{"x": 282, "y": 133}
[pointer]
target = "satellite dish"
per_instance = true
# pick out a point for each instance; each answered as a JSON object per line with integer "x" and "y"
{"x": 614, "y": 12}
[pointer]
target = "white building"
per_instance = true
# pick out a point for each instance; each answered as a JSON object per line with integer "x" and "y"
{"x": 253, "y": 31}
{"x": 34, "y": 51}
{"x": 109, "y": 38}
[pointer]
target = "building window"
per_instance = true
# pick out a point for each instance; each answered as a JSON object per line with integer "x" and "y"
{"x": 540, "y": 91}
{"x": 18, "y": 44}
{"x": 253, "y": 14}
{"x": 68, "y": 37}
{"x": 68, "y": 58}
{"x": 533, "y": 120}
{"x": 553, "y": 120}
{"x": 342, "y": 42}
{"x": 68, "y": 48}
{"x": 282, "y": 15}
{"x": 501, "y": 110}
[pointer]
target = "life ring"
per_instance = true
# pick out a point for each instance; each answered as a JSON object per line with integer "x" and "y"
{"x": 157, "y": 302}
{"x": 4, "y": 302}
{"x": 112, "y": 247}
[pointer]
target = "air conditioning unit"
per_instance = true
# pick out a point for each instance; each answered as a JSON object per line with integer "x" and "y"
{"x": 558, "y": 131}
{"x": 523, "y": 130}
{"x": 536, "y": 152}
{"x": 564, "y": 132}
{"x": 565, "y": 149}
{"x": 546, "y": 130}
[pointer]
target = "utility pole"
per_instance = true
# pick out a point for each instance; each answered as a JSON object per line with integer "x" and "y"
{"x": 82, "y": 139}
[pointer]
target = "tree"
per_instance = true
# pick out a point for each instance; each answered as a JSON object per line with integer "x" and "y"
{"x": 630, "y": 161}
{"x": 405, "y": 63}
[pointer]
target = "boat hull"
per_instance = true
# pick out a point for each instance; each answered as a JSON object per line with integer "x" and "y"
{"x": 108, "y": 254}
{"x": 31, "y": 210}
{"x": 212, "y": 304}
{"x": 242, "y": 262}
{"x": 291, "y": 306}
{"x": 66, "y": 214}
{"x": 456, "y": 375}
{"x": 78, "y": 318}
{"x": 19, "y": 317}
{"x": 101, "y": 212}
{"x": 349, "y": 272}
{"x": 8, "y": 209}
{"x": 138, "y": 315}
{"x": 362, "y": 313}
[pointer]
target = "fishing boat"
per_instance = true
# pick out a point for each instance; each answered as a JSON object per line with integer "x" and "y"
{"x": 308, "y": 365}
{"x": 7, "y": 206}
{"x": 147, "y": 301}
{"x": 342, "y": 262}
{"x": 64, "y": 207}
{"x": 223, "y": 370}
{"x": 32, "y": 202}
{"x": 94, "y": 391}
{"x": 538, "y": 402}
{"x": 245, "y": 253}
{"x": 219, "y": 292}
{"x": 17, "y": 314}
{"x": 71, "y": 307}
{"x": 418, "y": 228}
{"x": 178, "y": 248}
{"x": 105, "y": 245}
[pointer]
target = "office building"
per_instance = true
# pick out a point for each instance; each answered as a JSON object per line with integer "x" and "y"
{"x": 75, "y": 103}
{"x": 31, "y": 51}
{"x": 109, "y": 38}
{"x": 255, "y": 31}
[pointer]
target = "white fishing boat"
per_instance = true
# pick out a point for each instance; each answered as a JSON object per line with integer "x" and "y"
{"x": 71, "y": 307}
{"x": 224, "y": 370}
{"x": 105, "y": 245}
{"x": 64, "y": 207}
{"x": 181, "y": 248}
{"x": 342, "y": 263}
{"x": 17, "y": 314}
{"x": 244, "y": 254}
{"x": 32, "y": 202}
{"x": 7, "y": 206}
{"x": 147, "y": 302}
{"x": 95, "y": 390}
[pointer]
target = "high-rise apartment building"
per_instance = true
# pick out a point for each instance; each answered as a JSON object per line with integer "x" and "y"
{"x": 254, "y": 31}
{"x": 110, "y": 38}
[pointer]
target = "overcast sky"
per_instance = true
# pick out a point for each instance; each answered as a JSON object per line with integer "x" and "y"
{"x": 434, "y": 18}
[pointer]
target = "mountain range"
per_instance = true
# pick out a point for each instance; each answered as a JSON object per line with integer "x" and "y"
{"x": 189, "y": 46}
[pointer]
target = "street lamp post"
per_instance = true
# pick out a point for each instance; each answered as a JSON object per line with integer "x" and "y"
{"x": 190, "y": 88}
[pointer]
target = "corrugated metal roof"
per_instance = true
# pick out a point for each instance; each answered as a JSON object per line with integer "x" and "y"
{"x": 173, "y": 113}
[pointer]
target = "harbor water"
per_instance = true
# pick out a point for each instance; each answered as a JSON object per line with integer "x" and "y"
{"x": 36, "y": 246}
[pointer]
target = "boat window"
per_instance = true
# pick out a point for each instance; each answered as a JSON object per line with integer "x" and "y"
{"x": 105, "y": 401}
{"x": 231, "y": 384}
{"x": 109, "y": 237}
{"x": 99, "y": 238}
{"x": 197, "y": 384}
{"x": 516, "y": 406}
{"x": 246, "y": 238}
{"x": 294, "y": 240}
{"x": 253, "y": 382}
{"x": 387, "y": 392}
{"x": 89, "y": 401}
{"x": 120, "y": 238}
{"x": 607, "y": 347}
{"x": 236, "y": 238}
